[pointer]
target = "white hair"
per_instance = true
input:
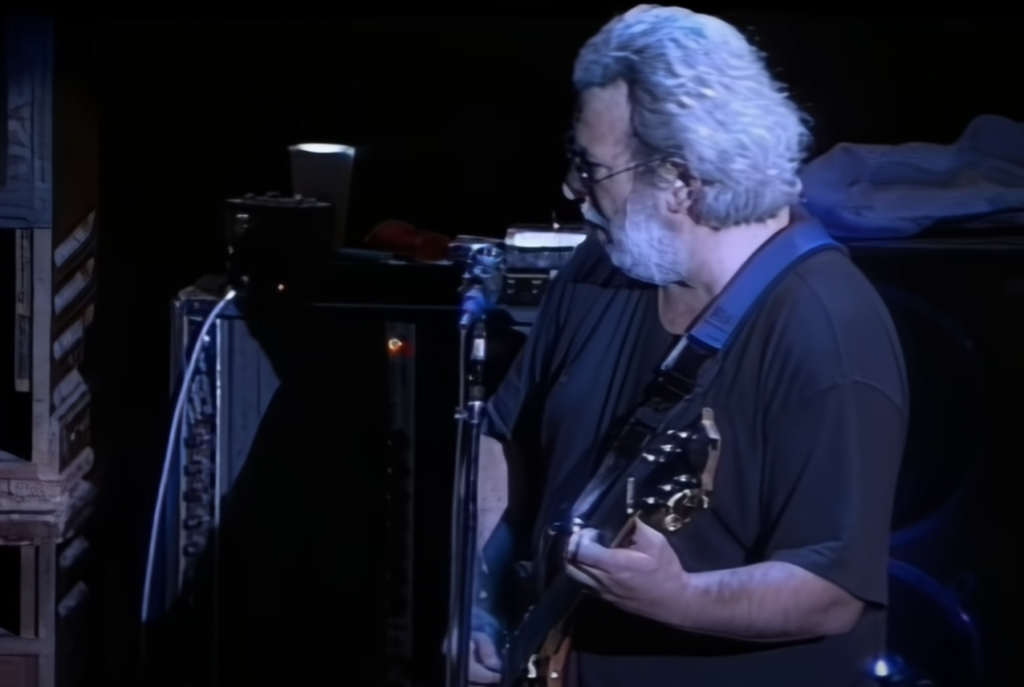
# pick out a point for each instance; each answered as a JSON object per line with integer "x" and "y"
{"x": 702, "y": 96}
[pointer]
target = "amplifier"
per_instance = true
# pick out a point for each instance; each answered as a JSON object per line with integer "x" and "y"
{"x": 534, "y": 255}
{"x": 371, "y": 369}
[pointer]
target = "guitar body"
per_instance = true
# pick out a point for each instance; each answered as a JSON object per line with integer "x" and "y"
{"x": 549, "y": 667}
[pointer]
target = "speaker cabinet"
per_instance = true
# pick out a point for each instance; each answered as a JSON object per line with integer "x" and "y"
{"x": 958, "y": 306}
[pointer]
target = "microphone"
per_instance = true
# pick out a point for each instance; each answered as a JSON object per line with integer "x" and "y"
{"x": 475, "y": 305}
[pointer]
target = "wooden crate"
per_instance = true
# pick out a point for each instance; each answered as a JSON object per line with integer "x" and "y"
{"x": 27, "y": 654}
{"x": 49, "y": 202}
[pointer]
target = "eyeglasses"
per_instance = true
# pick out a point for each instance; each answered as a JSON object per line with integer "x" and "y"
{"x": 581, "y": 171}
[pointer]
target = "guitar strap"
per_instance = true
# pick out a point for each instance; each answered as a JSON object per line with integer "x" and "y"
{"x": 715, "y": 328}
{"x": 693, "y": 363}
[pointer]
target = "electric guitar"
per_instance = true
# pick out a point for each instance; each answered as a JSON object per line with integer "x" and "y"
{"x": 670, "y": 481}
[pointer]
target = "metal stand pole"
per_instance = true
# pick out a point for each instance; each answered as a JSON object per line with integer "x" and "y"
{"x": 464, "y": 516}
{"x": 482, "y": 283}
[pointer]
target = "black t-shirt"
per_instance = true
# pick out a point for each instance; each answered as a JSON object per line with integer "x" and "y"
{"x": 811, "y": 401}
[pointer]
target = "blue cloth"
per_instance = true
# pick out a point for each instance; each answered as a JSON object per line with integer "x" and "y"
{"x": 861, "y": 191}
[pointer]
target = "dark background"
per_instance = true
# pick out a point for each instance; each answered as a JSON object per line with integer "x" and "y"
{"x": 459, "y": 124}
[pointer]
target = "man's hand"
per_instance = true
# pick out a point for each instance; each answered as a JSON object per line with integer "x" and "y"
{"x": 764, "y": 602}
{"x": 638, "y": 578}
{"x": 484, "y": 661}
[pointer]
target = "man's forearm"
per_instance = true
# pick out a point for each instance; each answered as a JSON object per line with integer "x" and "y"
{"x": 766, "y": 602}
{"x": 492, "y": 502}
{"x": 492, "y": 490}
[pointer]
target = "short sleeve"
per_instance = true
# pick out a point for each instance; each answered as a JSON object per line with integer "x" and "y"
{"x": 526, "y": 376}
{"x": 833, "y": 463}
{"x": 520, "y": 383}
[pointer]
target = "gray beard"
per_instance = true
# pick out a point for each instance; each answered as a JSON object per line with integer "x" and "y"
{"x": 644, "y": 249}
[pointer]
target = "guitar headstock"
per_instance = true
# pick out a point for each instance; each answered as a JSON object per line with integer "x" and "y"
{"x": 682, "y": 480}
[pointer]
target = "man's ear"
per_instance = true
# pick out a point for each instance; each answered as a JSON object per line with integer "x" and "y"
{"x": 674, "y": 178}
{"x": 682, "y": 195}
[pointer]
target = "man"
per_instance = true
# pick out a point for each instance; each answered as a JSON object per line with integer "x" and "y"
{"x": 685, "y": 156}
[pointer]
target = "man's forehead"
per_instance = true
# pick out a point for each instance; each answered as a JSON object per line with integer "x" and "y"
{"x": 603, "y": 119}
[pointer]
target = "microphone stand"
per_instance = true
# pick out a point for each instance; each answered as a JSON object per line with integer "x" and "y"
{"x": 463, "y": 583}
{"x": 482, "y": 279}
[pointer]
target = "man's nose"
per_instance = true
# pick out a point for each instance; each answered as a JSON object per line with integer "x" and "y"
{"x": 572, "y": 194}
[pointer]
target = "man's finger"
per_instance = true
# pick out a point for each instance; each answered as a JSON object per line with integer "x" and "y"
{"x": 486, "y": 652}
{"x": 587, "y": 576}
{"x": 584, "y": 548}
{"x": 478, "y": 675}
{"x": 591, "y": 554}
{"x": 575, "y": 573}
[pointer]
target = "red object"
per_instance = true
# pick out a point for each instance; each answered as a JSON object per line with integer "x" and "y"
{"x": 402, "y": 238}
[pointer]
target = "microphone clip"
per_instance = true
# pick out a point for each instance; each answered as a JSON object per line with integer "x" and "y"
{"x": 485, "y": 271}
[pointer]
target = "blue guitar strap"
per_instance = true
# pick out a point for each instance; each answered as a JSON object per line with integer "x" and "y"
{"x": 716, "y": 327}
